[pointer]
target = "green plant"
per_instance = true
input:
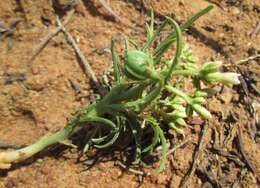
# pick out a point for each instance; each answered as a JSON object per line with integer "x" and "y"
{"x": 136, "y": 97}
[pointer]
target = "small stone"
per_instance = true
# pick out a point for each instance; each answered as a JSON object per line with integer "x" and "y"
{"x": 35, "y": 70}
{"x": 15, "y": 113}
{"x": 215, "y": 105}
{"x": 177, "y": 180}
{"x": 37, "y": 82}
{"x": 226, "y": 96}
{"x": 38, "y": 162}
{"x": 197, "y": 128}
{"x": 221, "y": 35}
{"x": 45, "y": 169}
{"x": 235, "y": 11}
{"x": 235, "y": 97}
{"x": 162, "y": 178}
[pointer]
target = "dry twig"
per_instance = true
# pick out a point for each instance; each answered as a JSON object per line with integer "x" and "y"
{"x": 228, "y": 155}
{"x": 178, "y": 146}
{"x": 249, "y": 164}
{"x": 10, "y": 146}
{"x": 197, "y": 153}
{"x": 87, "y": 68}
{"x": 137, "y": 172}
{"x": 109, "y": 9}
{"x": 242, "y": 61}
{"x": 210, "y": 176}
{"x": 238, "y": 180}
{"x": 256, "y": 31}
{"x": 51, "y": 34}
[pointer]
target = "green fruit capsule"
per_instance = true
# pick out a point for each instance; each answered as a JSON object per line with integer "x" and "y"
{"x": 138, "y": 66}
{"x": 180, "y": 122}
{"x": 176, "y": 128}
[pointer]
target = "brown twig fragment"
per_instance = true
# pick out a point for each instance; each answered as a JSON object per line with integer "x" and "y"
{"x": 51, "y": 34}
{"x": 210, "y": 176}
{"x": 228, "y": 155}
{"x": 256, "y": 31}
{"x": 137, "y": 172}
{"x": 87, "y": 68}
{"x": 75, "y": 86}
{"x": 109, "y": 9}
{"x": 10, "y": 146}
{"x": 238, "y": 180}
{"x": 248, "y": 59}
{"x": 249, "y": 164}
{"x": 197, "y": 153}
{"x": 178, "y": 146}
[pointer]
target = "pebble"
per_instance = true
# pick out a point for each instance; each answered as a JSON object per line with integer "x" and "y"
{"x": 215, "y": 105}
{"x": 35, "y": 70}
{"x": 235, "y": 11}
{"x": 37, "y": 83}
{"x": 196, "y": 128}
{"x": 226, "y": 96}
{"x": 162, "y": 178}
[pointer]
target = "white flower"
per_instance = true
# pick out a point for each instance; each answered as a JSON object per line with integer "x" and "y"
{"x": 226, "y": 78}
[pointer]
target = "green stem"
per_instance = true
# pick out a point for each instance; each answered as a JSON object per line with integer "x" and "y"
{"x": 94, "y": 110}
{"x": 142, "y": 103}
{"x": 166, "y": 43}
{"x": 178, "y": 48}
{"x": 184, "y": 73}
{"x": 195, "y": 17}
{"x": 6, "y": 158}
{"x": 164, "y": 149}
{"x": 115, "y": 59}
{"x": 149, "y": 43}
{"x": 179, "y": 93}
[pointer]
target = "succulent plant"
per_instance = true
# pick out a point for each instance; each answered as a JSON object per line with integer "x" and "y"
{"x": 136, "y": 100}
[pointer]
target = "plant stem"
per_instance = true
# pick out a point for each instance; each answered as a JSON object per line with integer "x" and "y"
{"x": 179, "y": 93}
{"x": 91, "y": 113}
{"x": 6, "y": 158}
{"x": 95, "y": 110}
{"x": 184, "y": 73}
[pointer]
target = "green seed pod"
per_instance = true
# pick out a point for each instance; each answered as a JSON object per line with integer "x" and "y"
{"x": 178, "y": 107}
{"x": 138, "y": 66}
{"x": 198, "y": 100}
{"x": 190, "y": 66}
{"x": 202, "y": 111}
{"x": 177, "y": 114}
{"x": 200, "y": 94}
{"x": 177, "y": 100}
{"x": 176, "y": 128}
{"x": 181, "y": 122}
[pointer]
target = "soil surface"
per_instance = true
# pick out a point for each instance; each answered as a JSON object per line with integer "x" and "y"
{"x": 37, "y": 97}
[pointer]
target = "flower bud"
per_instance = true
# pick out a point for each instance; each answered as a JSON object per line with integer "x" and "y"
{"x": 177, "y": 100}
{"x": 177, "y": 114}
{"x": 174, "y": 127}
{"x": 198, "y": 100}
{"x": 202, "y": 111}
{"x": 210, "y": 67}
{"x": 178, "y": 107}
{"x": 180, "y": 121}
{"x": 200, "y": 94}
{"x": 138, "y": 66}
{"x": 226, "y": 78}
